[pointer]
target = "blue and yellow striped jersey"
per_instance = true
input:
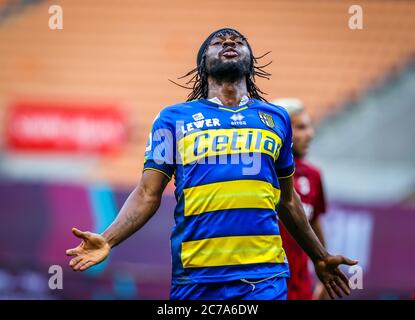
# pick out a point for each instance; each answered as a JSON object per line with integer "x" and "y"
{"x": 226, "y": 163}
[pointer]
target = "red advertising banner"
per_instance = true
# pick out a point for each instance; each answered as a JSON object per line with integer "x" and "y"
{"x": 65, "y": 128}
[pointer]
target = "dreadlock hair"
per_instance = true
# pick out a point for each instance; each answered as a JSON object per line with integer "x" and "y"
{"x": 199, "y": 76}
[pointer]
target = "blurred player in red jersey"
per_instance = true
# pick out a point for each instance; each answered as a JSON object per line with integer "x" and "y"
{"x": 307, "y": 183}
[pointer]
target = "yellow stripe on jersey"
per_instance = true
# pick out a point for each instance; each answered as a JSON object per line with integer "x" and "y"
{"x": 153, "y": 169}
{"x": 237, "y": 250}
{"x": 214, "y": 142}
{"x": 233, "y": 110}
{"x": 230, "y": 195}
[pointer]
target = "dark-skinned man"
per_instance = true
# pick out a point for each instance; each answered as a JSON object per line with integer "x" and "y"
{"x": 230, "y": 153}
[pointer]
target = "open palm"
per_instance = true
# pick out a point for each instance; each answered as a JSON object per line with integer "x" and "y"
{"x": 92, "y": 250}
{"x": 333, "y": 279}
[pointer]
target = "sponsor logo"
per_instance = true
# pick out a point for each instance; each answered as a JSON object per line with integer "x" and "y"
{"x": 200, "y": 124}
{"x": 202, "y": 144}
{"x": 237, "y": 119}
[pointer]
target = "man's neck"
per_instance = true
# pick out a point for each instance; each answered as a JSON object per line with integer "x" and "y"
{"x": 230, "y": 94}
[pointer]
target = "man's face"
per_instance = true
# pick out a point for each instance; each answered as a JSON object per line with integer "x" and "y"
{"x": 228, "y": 58}
{"x": 303, "y": 133}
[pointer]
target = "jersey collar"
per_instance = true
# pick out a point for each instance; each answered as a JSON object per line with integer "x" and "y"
{"x": 216, "y": 100}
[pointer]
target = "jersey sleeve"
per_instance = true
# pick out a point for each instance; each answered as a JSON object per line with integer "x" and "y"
{"x": 160, "y": 149}
{"x": 285, "y": 163}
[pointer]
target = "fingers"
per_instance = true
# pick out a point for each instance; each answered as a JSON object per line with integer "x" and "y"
{"x": 81, "y": 234}
{"x": 79, "y": 264}
{"x": 344, "y": 279}
{"x": 72, "y": 252}
{"x": 330, "y": 291}
{"x": 343, "y": 286}
{"x": 75, "y": 261}
{"x": 83, "y": 265}
{"x": 348, "y": 261}
{"x": 336, "y": 289}
{"x": 338, "y": 286}
{"x": 86, "y": 266}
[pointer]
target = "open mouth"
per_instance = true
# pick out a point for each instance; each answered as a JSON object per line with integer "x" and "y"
{"x": 230, "y": 53}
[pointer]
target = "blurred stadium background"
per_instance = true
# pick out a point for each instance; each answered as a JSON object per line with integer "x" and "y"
{"x": 76, "y": 106}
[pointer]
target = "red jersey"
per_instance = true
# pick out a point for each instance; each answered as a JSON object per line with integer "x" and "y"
{"x": 307, "y": 183}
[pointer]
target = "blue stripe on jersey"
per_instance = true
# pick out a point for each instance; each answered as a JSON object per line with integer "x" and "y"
{"x": 260, "y": 168}
{"x": 234, "y": 222}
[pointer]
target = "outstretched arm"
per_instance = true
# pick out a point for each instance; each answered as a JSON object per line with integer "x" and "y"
{"x": 291, "y": 213}
{"x": 139, "y": 207}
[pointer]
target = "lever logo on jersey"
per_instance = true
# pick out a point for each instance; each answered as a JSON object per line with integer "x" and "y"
{"x": 201, "y": 123}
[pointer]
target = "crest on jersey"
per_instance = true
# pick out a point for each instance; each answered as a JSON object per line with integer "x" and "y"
{"x": 267, "y": 119}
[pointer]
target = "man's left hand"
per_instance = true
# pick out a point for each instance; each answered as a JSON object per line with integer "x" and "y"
{"x": 335, "y": 281}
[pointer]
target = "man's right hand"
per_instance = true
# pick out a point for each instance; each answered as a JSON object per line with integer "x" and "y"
{"x": 92, "y": 250}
